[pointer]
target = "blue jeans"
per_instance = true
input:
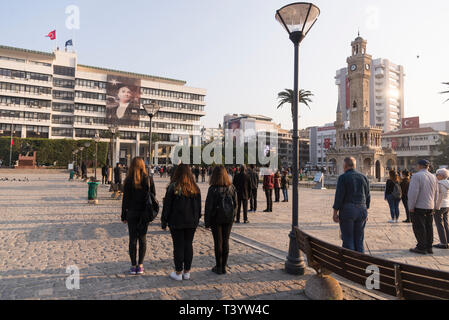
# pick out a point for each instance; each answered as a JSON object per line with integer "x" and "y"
{"x": 394, "y": 206}
{"x": 352, "y": 225}
{"x": 285, "y": 193}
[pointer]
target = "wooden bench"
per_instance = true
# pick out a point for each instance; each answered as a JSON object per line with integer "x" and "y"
{"x": 396, "y": 279}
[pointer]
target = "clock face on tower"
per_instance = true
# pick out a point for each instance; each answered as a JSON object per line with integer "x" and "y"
{"x": 353, "y": 67}
{"x": 367, "y": 66}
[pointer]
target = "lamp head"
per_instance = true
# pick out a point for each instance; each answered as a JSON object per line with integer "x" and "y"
{"x": 151, "y": 109}
{"x": 297, "y": 19}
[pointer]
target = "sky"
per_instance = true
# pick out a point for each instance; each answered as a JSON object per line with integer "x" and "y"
{"x": 238, "y": 51}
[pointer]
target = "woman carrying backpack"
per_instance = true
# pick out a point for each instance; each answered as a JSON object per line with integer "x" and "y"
{"x": 393, "y": 195}
{"x": 182, "y": 213}
{"x": 136, "y": 191}
{"x": 220, "y": 211}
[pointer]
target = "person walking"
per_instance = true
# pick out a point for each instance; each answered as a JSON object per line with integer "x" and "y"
{"x": 243, "y": 186}
{"x": 352, "y": 202}
{"x": 405, "y": 183}
{"x": 285, "y": 183}
{"x": 254, "y": 182}
{"x": 181, "y": 213}
{"x": 219, "y": 214}
{"x": 104, "y": 174}
{"x": 268, "y": 186}
{"x": 136, "y": 192}
{"x": 196, "y": 172}
{"x": 118, "y": 174}
{"x": 203, "y": 174}
{"x": 84, "y": 170}
{"x": 393, "y": 194}
{"x": 442, "y": 209}
{"x": 277, "y": 187}
{"x": 422, "y": 201}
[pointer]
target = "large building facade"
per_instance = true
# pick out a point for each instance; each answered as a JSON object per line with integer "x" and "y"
{"x": 321, "y": 140}
{"x": 412, "y": 145}
{"x": 50, "y": 95}
{"x": 386, "y": 94}
{"x": 359, "y": 139}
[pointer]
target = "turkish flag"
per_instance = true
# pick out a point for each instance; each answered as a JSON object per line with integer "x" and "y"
{"x": 52, "y": 35}
{"x": 12, "y": 142}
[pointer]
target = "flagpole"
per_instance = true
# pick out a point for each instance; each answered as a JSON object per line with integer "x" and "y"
{"x": 10, "y": 144}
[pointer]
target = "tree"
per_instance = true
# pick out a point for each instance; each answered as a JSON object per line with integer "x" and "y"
{"x": 443, "y": 148}
{"x": 286, "y": 96}
{"x": 446, "y": 92}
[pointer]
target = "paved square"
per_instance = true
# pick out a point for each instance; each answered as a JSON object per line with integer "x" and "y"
{"x": 46, "y": 225}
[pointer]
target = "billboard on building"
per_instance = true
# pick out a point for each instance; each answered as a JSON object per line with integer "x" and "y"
{"x": 410, "y": 123}
{"x": 234, "y": 125}
{"x": 327, "y": 144}
{"x": 122, "y": 101}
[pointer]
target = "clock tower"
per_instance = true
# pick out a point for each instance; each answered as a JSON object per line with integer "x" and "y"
{"x": 359, "y": 75}
{"x": 360, "y": 140}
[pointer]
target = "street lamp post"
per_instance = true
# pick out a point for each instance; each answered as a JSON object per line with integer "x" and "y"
{"x": 97, "y": 140}
{"x": 297, "y": 19}
{"x": 151, "y": 109}
{"x": 87, "y": 145}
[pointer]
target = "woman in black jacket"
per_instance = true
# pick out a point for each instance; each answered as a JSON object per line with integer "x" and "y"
{"x": 182, "y": 213}
{"x": 219, "y": 214}
{"x": 405, "y": 183}
{"x": 136, "y": 188}
{"x": 393, "y": 199}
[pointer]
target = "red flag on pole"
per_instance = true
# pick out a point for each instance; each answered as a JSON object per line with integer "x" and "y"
{"x": 12, "y": 142}
{"x": 52, "y": 35}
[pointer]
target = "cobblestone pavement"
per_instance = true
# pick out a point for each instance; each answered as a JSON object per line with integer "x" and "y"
{"x": 46, "y": 226}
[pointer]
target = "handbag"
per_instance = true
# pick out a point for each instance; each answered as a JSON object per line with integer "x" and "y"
{"x": 151, "y": 208}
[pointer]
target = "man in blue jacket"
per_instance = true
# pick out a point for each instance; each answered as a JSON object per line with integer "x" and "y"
{"x": 352, "y": 201}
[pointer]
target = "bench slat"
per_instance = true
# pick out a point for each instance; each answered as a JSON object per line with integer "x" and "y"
{"x": 419, "y": 279}
{"x": 425, "y": 272}
{"x": 413, "y": 295}
{"x": 440, "y": 293}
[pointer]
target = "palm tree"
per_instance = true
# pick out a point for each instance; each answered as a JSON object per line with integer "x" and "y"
{"x": 446, "y": 92}
{"x": 286, "y": 96}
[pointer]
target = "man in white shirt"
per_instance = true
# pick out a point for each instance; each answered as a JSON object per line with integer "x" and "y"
{"x": 422, "y": 201}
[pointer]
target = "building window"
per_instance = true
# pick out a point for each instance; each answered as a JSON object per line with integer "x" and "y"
{"x": 90, "y": 95}
{"x": 63, "y": 107}
{"x": 91, "y": 84}
{"x": 5, "y": 86}
{"x": 62, "y": 132}
{"x": 63, "y": 95}
{"x": 64, "y": 71}
{"x": 90, "y": 108}
{"x": 64, "y": 83}
{"x": 31, "y": 103}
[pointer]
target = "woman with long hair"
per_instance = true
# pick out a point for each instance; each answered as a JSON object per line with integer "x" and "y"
{"x": 405, "y": 183}
{"x": 182, "y": 213}
{"x": 393, "y": 195}
{"x": 219, "y": 215}
{"x": 136, "y": 189}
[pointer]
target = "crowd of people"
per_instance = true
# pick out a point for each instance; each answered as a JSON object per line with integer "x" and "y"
{"x": 425, "y": 197}
{"x": 230, "y": 191}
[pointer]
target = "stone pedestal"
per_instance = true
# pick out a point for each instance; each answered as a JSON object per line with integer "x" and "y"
{"x": 323, "y": 287}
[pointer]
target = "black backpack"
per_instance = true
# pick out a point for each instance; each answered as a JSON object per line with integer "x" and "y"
{"x": 397, "y": 191}
{"x": 224, "y": 209}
